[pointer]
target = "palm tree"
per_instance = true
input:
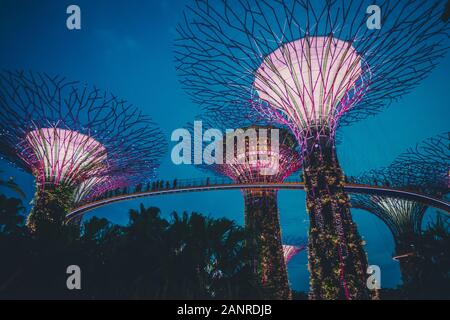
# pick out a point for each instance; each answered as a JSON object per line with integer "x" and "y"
{"x": 10, "y": 184}
{"x": 10, "y": 214}
{"x": 210, "y": 259}
{"x": 189, "y": 256}
{"x": 433, "y": 254}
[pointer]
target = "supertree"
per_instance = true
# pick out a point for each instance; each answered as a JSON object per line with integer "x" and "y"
{"x": 313, "y": 66}
{"x": 289, "y": 251}
{"x": 255, "y": 154}
{"x": 424, "y": 169}
{"x": 76, "y": 140}
{"x": 293, "y": 246}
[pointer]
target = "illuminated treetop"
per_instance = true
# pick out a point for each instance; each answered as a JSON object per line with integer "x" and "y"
{"x": 65, "y": 132}
{"x": 307, "y": 64}
{"x": 292, "y": 246}
{"x": 258, "y": 158}
{"x": 309, "y": 81}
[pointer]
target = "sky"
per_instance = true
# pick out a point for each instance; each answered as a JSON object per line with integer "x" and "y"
{"x": 126, "y": 47}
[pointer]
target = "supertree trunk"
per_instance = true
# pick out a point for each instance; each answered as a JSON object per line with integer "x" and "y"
{"x": 262, "y": 221}
{"x": 50, "y": 206}
{"x": 337, "y": 261}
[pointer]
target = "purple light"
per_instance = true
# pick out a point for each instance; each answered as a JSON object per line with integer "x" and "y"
{"x": 251, "y": 161}
{"x": 62, "y": 156}
{"x": 289, "y": 251}
{"x": 311, "y": 81}
{"x": 67, "y": 133}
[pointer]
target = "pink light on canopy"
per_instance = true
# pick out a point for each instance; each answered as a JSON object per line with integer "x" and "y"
{"x": 90, "y": 187}
{"x": 263, "y": 160}
{"x": 243, "y": 169}
{"x": 289, "y": 251}
{"x": 310, "y": 82}
{"x": 63, "y": 156}
{"x": 98, "y": 185}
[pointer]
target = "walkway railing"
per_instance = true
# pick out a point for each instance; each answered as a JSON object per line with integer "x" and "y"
{"x": 162, "y": 187}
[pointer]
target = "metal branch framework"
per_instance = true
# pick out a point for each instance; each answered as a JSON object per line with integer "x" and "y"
{"x": 292, "y": 246}
{"x": 307, "y": 61}
{"x": 249, "y": 164}
{"x": 428, "y": 163}
{"x": 403, "y": 217}
{"x": 425, "y": 169}
{"x": 311, "y": 66}
{"x": 248, "y": 153}
{"x": 72, "y": 136}
{"x": 289, "y": 251}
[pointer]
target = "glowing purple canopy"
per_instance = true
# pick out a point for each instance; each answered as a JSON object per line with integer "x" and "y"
{"x": 67, "y": 133}
{"x": 289, "y": 251}
{"x": 305, "y": 63}
{"x": 311, "y": 81}
{"x": 59, "y": 155}
{"x": 261, "y": 163}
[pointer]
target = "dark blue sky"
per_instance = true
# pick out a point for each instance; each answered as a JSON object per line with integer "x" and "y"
{"x": 126, "y": 47}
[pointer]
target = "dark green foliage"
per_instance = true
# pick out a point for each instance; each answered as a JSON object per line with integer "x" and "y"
{"x": 11, "y": 221}
{"x": 11, "y": 185}
{"x": 432, "y": 263}
{"x": 50, "y": 206}
{"x": 187, "y": 257}
{"x": 428, "y": 267}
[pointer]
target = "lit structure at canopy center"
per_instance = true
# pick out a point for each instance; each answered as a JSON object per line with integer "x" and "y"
{"x": 311, "y": 83}
{"x": 260, "y": 158}
{"x": 77, "y": 141}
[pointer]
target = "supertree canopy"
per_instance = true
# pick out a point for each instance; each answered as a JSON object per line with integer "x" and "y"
{"x": 293, "y": 246}
{"x": 265, "y": 158}
{"x": 312, "y": 66}
{"x": 289, "y": 251}
{"x": 424, "y": 169}
{"x": 77, "y": 141}
{"x": 43, "y": 148}
{"x": 312, "y": 82}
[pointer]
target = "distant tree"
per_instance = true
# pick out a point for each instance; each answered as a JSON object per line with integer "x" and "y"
{"x": 10, "y": 184}
{"x": 433, "y": 254}
{"x": 11, "y": 218}
{"x": 189, "y": 256}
